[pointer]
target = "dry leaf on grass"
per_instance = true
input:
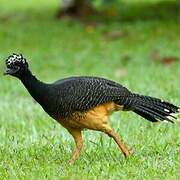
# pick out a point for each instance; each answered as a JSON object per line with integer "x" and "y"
{"x": 166, "y": 60}
{"x": 121, "y": 72}
{"x": 114, "y": 35}
{"x": 169, "y": 60}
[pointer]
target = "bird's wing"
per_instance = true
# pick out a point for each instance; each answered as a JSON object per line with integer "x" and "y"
{"x": 84, "y": 93}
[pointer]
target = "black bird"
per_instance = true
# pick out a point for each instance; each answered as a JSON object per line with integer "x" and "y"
{"x": 79, "y": 103}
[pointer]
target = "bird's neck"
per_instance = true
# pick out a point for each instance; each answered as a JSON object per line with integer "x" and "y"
{"x": 35, "y": 87}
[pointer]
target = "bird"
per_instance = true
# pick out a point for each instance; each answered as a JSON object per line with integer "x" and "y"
{"x": 86, "y": 102}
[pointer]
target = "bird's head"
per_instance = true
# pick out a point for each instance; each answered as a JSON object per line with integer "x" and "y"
{"x": 16, "y": 65}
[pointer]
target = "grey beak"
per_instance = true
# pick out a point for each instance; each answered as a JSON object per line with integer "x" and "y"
{"x": 10, "y": 71}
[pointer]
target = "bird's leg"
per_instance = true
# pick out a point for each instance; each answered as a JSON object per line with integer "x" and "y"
{"x": 76, "y": 133}
{"x": 112, "y": 134}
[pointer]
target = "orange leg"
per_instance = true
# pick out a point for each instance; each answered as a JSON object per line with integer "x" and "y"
{"x": 76, "y": 133}
{"x": 112, "y": 134}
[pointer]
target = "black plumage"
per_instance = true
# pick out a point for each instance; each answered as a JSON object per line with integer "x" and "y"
{"x": 72, "y": 94}
{"x": 84, "y": 93}
{"x": 85, "y": 102}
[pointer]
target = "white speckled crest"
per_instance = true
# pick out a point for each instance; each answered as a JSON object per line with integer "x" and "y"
{"x": 15, "y": 58}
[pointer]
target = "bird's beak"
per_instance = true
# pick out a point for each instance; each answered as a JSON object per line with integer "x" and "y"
{"x": 7, "y": 71}
{"x": 10, "y": 70}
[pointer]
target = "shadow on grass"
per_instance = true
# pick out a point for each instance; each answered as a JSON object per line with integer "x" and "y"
{"x": 124, "y": 12}
{"x": 134, "y": 12}
{"x": 164, "y": 10}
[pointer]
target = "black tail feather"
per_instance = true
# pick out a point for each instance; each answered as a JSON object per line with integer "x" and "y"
{"x": 151, "y": 108}
{"x": 145, "y": 115}
{"x": 153, "y": 113}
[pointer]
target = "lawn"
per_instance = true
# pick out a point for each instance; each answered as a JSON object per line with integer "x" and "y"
{"x": 33, "y": 146}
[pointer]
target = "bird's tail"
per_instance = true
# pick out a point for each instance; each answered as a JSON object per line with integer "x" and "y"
{"x": 151, "y": 108}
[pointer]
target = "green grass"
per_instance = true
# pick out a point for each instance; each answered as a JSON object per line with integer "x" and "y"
{"x": 33, "y": 146}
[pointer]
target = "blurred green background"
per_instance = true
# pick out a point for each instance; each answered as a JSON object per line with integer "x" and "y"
{"x": 133, "y": 42}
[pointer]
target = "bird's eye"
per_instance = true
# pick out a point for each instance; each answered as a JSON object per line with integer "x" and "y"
{"x": 8, "y": 66}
